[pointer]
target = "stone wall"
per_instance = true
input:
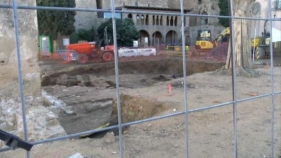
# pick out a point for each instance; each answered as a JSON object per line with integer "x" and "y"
{"x": 85, "y": 20}
{"x": 28, "y": 48}
{"x": 38, "y": 117}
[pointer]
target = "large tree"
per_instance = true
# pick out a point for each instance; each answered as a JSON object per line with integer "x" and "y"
{"x": 52, "y": 22}
{"x": 223, "y": 5}
{"x": 242, "y": 38}
{"x": 126, "y": 31}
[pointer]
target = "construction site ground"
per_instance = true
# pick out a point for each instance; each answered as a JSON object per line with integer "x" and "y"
{"x": 89, "y": 93}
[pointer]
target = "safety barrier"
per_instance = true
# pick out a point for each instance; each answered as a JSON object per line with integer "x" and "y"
{"x": 187, "y": 111}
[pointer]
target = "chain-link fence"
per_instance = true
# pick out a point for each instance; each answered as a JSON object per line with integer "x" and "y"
{"x": 235, "y": 99}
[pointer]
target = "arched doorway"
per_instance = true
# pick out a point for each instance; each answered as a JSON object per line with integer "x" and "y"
{"x": 171, "y": 37}
{"x": 156, "y": 38}
{"x": 144, "y": 38}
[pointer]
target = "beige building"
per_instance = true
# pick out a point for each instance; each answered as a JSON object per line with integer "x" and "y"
{"x": 155, "y": 29}
{"x": 261, "y": 9}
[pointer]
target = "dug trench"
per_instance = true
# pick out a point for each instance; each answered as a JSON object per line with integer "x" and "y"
{"x": 84, "y": 96}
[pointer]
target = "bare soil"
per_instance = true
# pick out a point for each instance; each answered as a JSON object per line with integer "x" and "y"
{"x": 88, "y": 90}
{"x": 210, "y": 132}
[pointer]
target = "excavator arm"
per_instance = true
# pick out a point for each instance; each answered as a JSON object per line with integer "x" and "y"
{"x": 224, "y": 34}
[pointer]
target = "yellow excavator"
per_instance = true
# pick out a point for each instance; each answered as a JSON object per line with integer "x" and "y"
{"x": 223, "y": 37}
{"x": 204, "y": 43}
{"x": 260, "y": 45}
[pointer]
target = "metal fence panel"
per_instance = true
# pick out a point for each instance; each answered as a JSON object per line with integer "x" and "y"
{"x": 187, "y": 111}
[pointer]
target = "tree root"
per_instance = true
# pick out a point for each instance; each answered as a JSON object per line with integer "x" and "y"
{"x": 240, "y": 71}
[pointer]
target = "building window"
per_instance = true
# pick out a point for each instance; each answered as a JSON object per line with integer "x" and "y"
{"x": 130, "y": 16}
{"x": 142, "y": 19}
{"x": 171, "y": 21}
{"x": 199, "y": 1}
{"x": 157, "y": 20}
{"x": 204, "y": 20}
{"x": 99, "y": 6}
{"x": 146, "y": 20}
{"x": 138, "y": 19}
{"x": 278, "y": 4}
{"x": 176, "y": 21}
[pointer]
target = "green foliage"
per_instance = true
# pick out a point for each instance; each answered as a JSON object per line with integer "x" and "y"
{"x": 223, "y": 5}
{"x": 82, "y": 34}
{"x": 126, "y": 31}
{"x": 52, "y": 22}
{"x": 73, "y": 38}
{"x": 87, "y": 35}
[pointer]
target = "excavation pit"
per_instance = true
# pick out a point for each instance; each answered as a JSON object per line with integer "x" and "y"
{"x": 88, "y": 92}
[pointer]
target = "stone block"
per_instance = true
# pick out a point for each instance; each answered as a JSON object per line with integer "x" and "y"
{"x": 28, "y": 29}
{"x": 109, "y": 137}
{"x": 41, "y": 122}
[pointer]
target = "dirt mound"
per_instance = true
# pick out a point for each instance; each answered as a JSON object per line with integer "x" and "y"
{"x": 134, "y": 108}
{"x": 86, "y": 108}
{"x": 220, "y": 51}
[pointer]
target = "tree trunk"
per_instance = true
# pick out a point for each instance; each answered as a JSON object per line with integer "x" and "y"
{"x": 242, "y": 36}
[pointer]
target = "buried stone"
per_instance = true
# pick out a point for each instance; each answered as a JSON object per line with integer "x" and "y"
{"x": 180, "y": 84}
{"x": 132, "y": 109}
{"x": 79, "y": 80}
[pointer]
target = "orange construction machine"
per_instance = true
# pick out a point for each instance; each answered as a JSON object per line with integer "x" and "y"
{"x": 87, "y": 50}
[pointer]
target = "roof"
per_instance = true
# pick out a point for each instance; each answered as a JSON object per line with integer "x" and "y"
{"x": 154, "y": 8}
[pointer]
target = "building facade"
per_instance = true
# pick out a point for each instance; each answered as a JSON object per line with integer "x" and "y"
{"x": 261, "y": 9}
{"x": 154, "y": 29}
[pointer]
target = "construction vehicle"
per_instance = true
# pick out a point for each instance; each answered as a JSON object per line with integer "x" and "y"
{"x": 223, "y": 37}
{"x": 204, "y": 42}
{"x": 260, "y": 45}
{"x": 87, "y": 50}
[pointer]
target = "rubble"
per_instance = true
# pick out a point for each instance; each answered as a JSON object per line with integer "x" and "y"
{"x": 41, "y": 122}
{"x": 109, "y": 137}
